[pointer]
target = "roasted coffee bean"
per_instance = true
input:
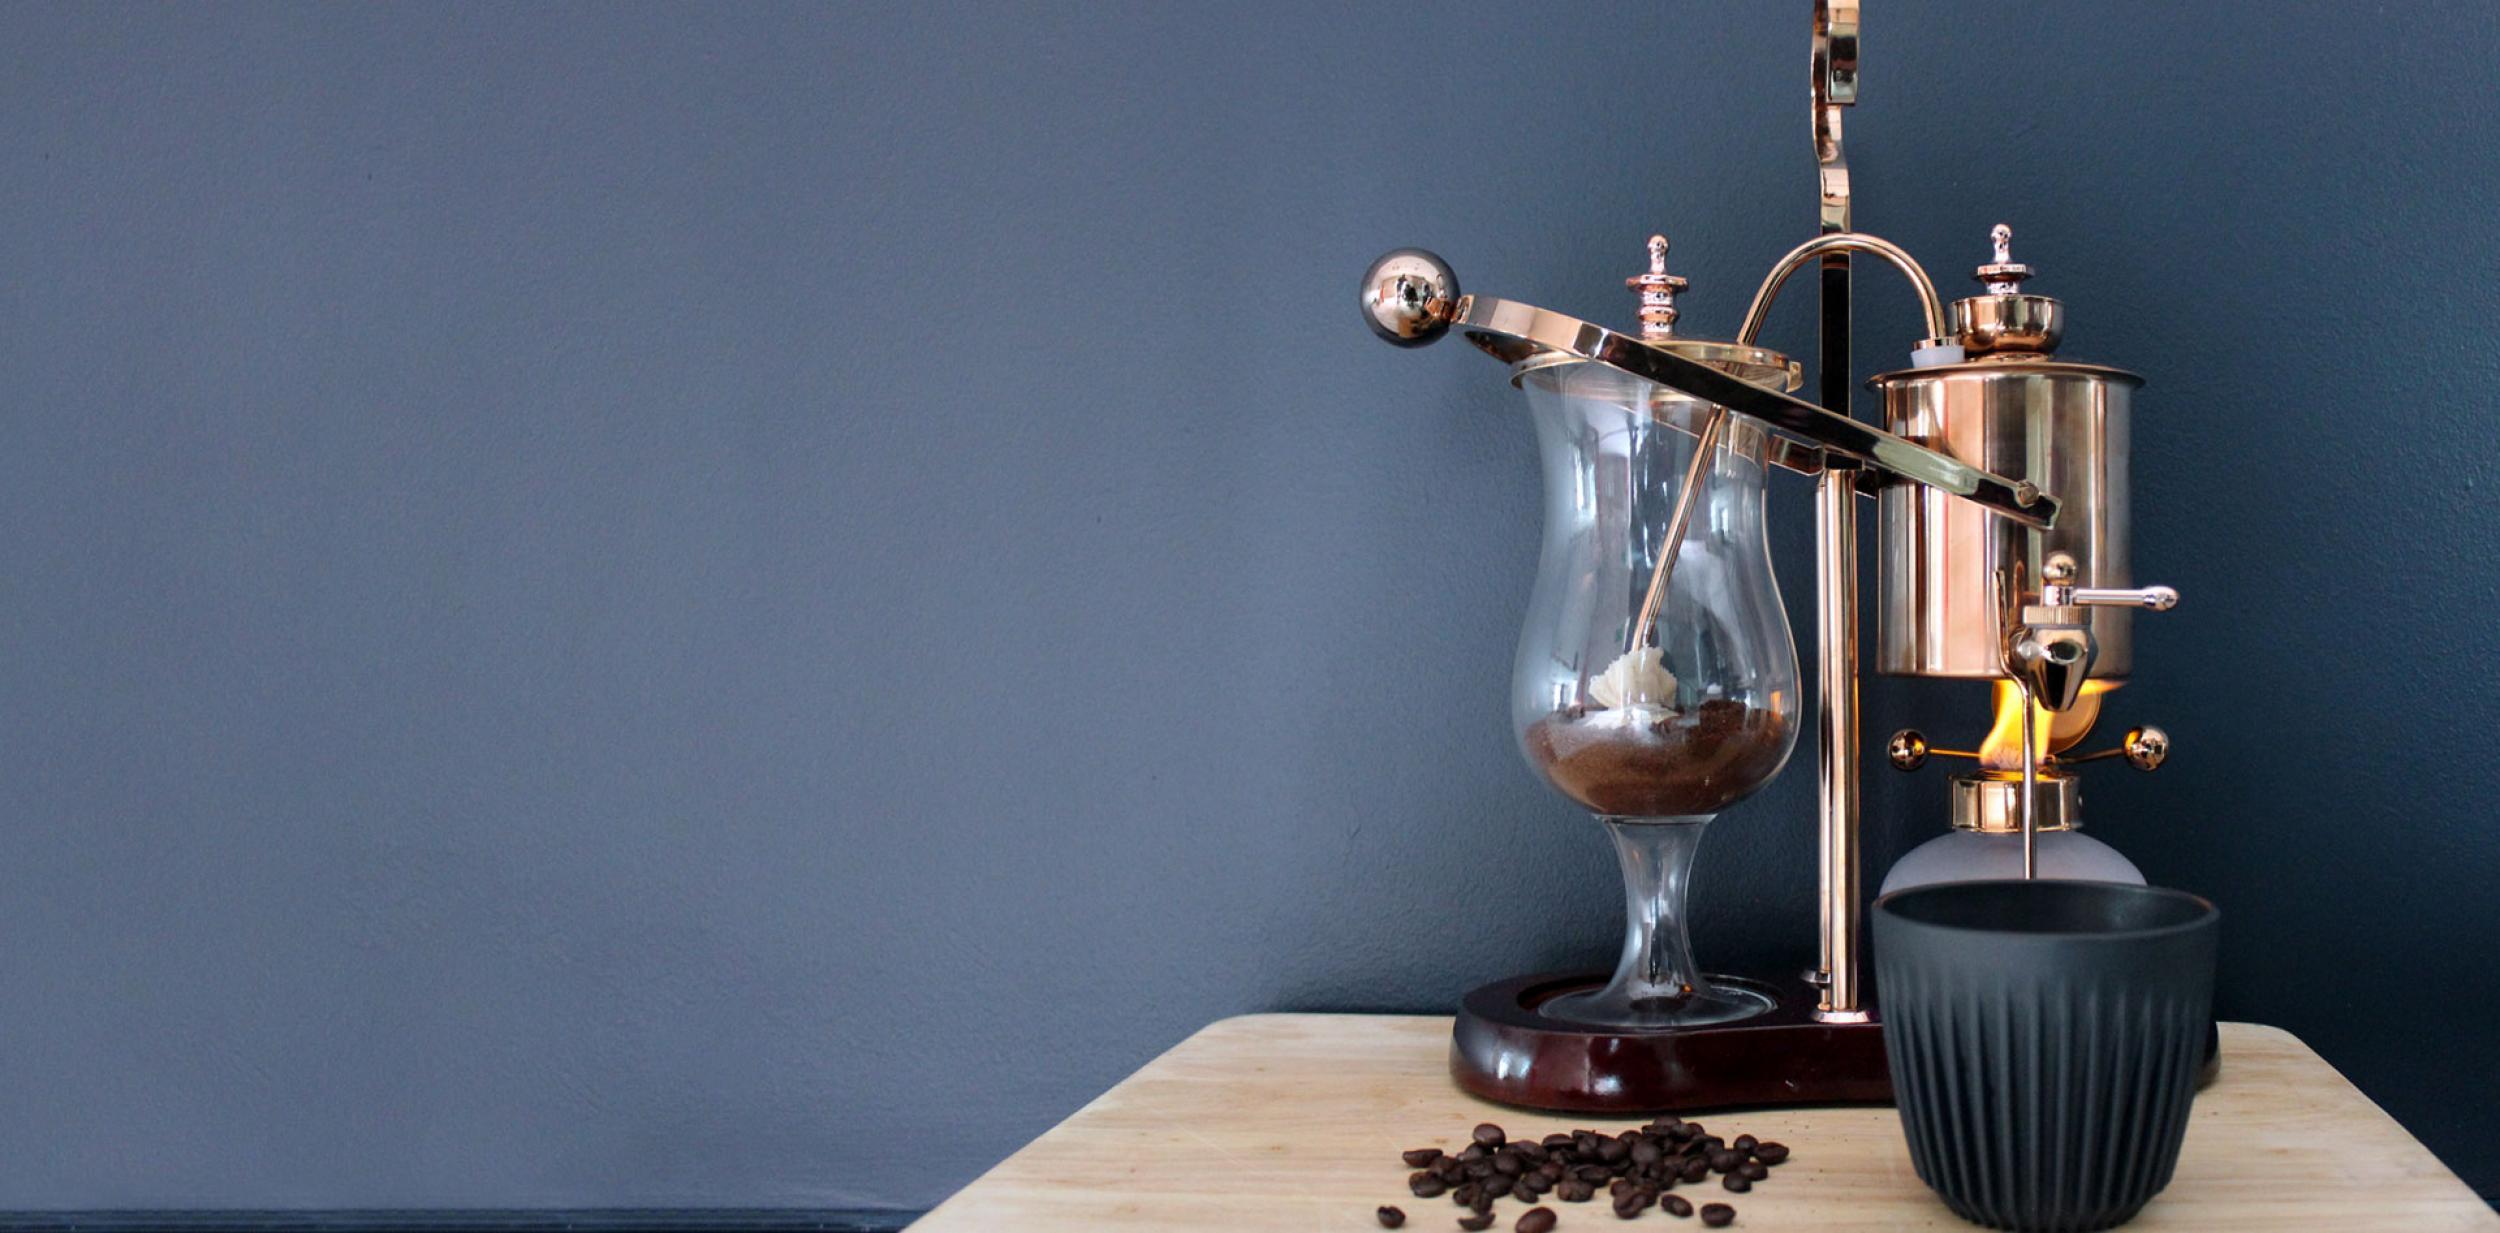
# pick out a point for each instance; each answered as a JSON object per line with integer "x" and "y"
{"x": 1449, "y": 1168}
{"x": 1771, "y": 1153}
{"x": 1490, "y": 1135}
{"x": 1430, "y": 1187}
{"x": 1530, "y": 1150}
{"x": 1695, "y": 1169}
{"x": 1422, "y": 1156}
{"x": 1556, "y": 1140}
{"x": 1724, "y": 1159}
{"x": 1631, "y": 1203}
{"x": 1535, "y": 1220}
{"x": 1391, "y": 1217}
{"x": 1717, "y": 1215}
{"x": 1476, "y": 1223}
{"x": 1613, "y": 1151}
{"x": 1506, "y": 1164}
{"x": 1466, "y": 1194}
{"x": 1736, "y": 1182}
{"x": 1753, "y": 1170}
{"x": 1645, "y": 1152}
{"x": 1676, "y": 1205}
{"x": 1744, "y": 1143}
{"x": 1537, "y": 1183}
{"x": 1519, "y": 1190}
{"x": 1552, "y": 1170}
{"x": 1479, "y": 1168}
{"x": 1708, "y": 1143}
{"x": 1475, "y": 1151}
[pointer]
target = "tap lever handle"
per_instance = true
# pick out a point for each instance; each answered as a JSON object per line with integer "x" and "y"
{"x": 2058, "y": 590}
{"x": 2151, "y": 599}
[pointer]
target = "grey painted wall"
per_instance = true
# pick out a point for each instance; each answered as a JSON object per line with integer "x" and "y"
{"x": 748, "y": 604}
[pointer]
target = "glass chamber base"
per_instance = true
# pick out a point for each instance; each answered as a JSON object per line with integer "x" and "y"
{"x": 1656, "y": 985}
{"x": 1718, "y": 999}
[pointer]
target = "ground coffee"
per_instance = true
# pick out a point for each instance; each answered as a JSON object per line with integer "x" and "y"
{"x": 1624, "y": 762}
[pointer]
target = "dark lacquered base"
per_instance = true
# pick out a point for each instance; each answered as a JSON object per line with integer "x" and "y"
{"x": 1503, "y": 1049}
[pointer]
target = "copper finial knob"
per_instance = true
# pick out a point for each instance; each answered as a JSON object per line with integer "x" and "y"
{"x": 2003, "y": 274}
{"x": 1657, "y": 289}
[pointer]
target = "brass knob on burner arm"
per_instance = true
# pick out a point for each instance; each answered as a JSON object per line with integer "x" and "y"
{"x": 2145, "y": 747}
{"x": 1909, "y": 750}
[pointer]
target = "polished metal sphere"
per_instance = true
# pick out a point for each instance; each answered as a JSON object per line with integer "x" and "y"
{"x": 1907, "y": 749}
{"x": 1409, "y": 296}
{"x": 2147, "y": 747}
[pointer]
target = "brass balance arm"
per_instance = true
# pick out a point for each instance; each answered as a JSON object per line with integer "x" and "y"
{"x": 1411, "y": 297}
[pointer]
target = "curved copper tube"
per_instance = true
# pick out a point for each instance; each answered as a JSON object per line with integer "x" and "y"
{"x": 1850, "y": 242}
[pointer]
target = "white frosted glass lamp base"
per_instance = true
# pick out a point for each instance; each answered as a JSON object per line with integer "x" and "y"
{"x": 1969, "y": 856}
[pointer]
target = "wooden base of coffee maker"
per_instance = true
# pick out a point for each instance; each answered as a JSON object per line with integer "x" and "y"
{"x": 1504, "y": 1049}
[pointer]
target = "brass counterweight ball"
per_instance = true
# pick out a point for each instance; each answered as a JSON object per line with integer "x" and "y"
{"x": 1409, "y": 296}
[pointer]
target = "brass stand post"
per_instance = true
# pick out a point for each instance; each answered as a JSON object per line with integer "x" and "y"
{"x": 1836, "y": 538}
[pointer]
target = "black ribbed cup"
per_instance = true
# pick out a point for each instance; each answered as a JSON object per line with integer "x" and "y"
{"x": 2045, "y": 1039}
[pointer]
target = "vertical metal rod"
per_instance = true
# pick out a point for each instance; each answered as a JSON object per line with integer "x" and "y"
{"x": 1835, "y": 74}
{"x": 2031, "y": 780}
{"x": 1836, "y": 640}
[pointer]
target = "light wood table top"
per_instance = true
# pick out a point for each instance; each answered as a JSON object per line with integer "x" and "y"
{"x": 1296, "y": 1121}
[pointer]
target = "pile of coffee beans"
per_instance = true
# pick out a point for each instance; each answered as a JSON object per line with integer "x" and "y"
{"x": 1637, "y": 1168}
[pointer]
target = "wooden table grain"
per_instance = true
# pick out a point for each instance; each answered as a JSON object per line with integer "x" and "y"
{"x": 1295, "y": 1122}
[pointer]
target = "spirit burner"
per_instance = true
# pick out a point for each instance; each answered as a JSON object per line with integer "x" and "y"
{"x": 1657, "y": 682}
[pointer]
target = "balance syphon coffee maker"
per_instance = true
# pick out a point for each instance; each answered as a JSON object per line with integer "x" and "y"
{"x": 1657, "y": 682}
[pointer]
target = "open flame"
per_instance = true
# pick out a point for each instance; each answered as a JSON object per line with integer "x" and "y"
{"x": 2002, "y": 748}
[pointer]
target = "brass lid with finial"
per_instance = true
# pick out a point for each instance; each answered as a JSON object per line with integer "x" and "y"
{"x": 1658, "y": 313}
{"x": 2006, "y": 322}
